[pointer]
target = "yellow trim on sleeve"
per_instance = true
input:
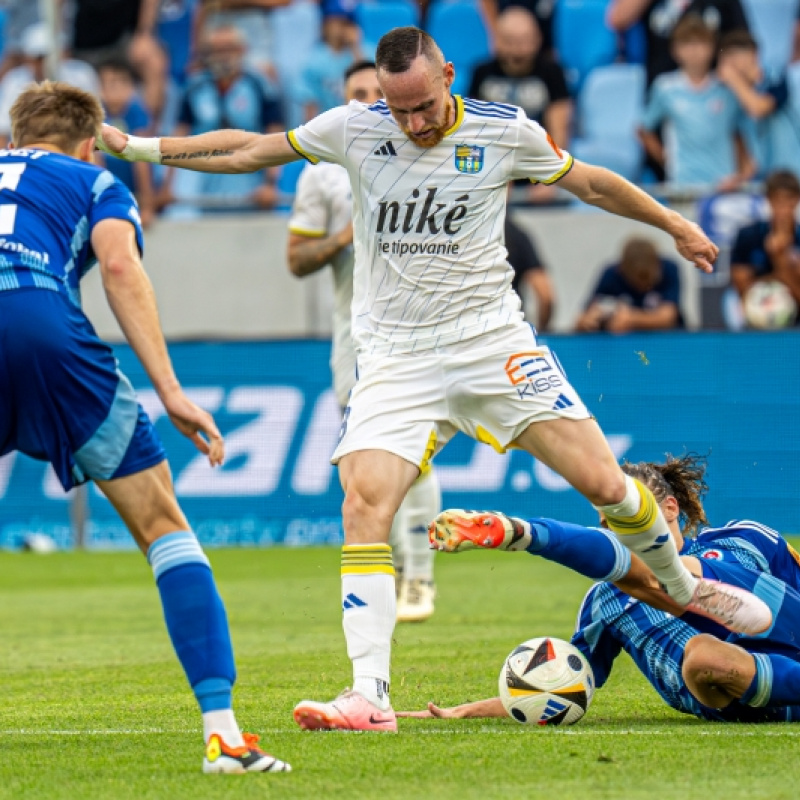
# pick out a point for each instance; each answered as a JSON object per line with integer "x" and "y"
{"x": 292, "y": 137}
{"x": 559, "y": 175}
{"x": 459, "y": 115}
{"x": 304, "y": 232}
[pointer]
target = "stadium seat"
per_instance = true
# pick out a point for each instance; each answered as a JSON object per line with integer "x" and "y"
{"x": 376, "y": 19}
{"x": 610, "y": 107}
{"x": 772, "y": 23}
{"x": 458, "y": 28}
{"x": 582, "y": 38}
{"x": 287, "y": 183}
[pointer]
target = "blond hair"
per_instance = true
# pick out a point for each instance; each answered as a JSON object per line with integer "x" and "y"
{"x": 55, "y": 113}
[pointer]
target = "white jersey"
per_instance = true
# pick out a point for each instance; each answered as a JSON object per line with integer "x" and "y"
{"x": 322, "y": 207}
{"x": 430, "y": 264}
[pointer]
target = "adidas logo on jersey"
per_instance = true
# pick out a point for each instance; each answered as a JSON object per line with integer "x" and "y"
{"x": 386, "y": 150}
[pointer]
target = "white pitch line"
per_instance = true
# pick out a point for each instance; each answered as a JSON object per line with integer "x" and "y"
{"x": 725, "y": 730}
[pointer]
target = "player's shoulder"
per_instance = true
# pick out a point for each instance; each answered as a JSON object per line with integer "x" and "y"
{"x": 486, "y": 111}
{"x": 669, "y": 82}
{"x": 604, "y": 601}
{"x": 751, "y": 528}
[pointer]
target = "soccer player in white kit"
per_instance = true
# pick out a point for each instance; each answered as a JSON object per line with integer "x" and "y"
{"x": 439, "y": 336}
{"x": 321, "y": 233}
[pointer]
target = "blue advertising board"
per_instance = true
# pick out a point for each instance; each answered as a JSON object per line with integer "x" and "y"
{"x": 734, "y": 397}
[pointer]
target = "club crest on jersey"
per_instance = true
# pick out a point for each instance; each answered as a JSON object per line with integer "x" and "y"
{"x": 712, "y": 555}
{"x": 469, "y": 158}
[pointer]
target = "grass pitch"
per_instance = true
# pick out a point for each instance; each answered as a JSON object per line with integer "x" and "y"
{"x": 94, "y": 704}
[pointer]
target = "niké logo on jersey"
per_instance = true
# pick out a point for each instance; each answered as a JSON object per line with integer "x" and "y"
{"x": 386, "y": 150}
{"x": 428, "y": 216}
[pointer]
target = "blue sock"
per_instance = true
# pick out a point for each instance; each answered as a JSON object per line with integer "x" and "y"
{"x": 195, "y": 617}
{"x": 776, "y": 682}
{"x": 592, "y": 552}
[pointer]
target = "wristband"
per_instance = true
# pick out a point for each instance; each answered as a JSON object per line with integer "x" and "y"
{"x": 142, "y": 148}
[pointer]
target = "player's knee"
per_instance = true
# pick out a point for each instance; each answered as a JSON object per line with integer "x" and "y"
{"x": 606, "y": 487}
{"x": 360, "y": 507}
{"x": 700, "y": 660}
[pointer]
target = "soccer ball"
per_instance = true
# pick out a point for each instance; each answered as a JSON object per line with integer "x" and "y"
{"x": 546, "y": 681}
{"x": 769, "y": 305}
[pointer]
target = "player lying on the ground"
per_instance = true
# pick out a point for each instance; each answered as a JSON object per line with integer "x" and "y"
{"x": 694, "y": 671}
{"x": 63, "y": 399}
{"x": 439, "y": 333}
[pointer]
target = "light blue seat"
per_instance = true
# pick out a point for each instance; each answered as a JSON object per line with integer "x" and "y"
{"x": 376, "y": 19}
{"x": 458, "y": 29}
{"x": 610, "y": 108}
{"x": 772, "y": 23}
{"x": 582, "y": 38}
{"x": 286, "y": 184}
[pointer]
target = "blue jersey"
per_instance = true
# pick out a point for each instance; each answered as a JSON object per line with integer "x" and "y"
{"x": 49, "y": 204}
{"x": 751, "y": 545}
{"x": 62, "y": 396}
{"x": 610, "y": 621}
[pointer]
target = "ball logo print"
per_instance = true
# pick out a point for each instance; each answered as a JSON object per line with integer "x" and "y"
{"x": 546, "y": 681}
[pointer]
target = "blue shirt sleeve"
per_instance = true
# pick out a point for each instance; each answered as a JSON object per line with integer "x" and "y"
{"x": 670, "y": 288}
{"x": 656, "y": 110}
{"x": 778, "y": 90}
{"x": 747, "y": 243}
{"x": 113, "y": 201}
{"x": 137, "y": 117}
{"x": 593, "y": 638}
{"x": 607, "y": 285}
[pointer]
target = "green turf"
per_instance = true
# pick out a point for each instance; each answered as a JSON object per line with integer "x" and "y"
{"x": 95, "y": 706}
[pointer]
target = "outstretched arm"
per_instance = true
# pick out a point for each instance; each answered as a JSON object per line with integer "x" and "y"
{"x": 607, "y": 190}
{"x": 480, "y": 709}
{"x": 228, "y": 151}
{"x": 132, "y": 300}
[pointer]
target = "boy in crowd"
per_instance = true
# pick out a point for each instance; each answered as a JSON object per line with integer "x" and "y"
{"x": 702, "y": 117}
{"x": 773, "y": 124}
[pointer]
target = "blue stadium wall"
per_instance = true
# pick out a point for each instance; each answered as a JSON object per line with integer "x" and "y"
{"x": 736, "y": 398}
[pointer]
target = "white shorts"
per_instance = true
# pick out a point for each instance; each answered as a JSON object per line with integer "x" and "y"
{"x": 491, "y": 387}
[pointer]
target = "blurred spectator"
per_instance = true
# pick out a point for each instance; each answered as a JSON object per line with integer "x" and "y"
{"x": 20, "y": 14}
{"x": 36, "y": 43}
{"x": 541, "y": 9}
{"x": 125, "y": 110}
{"x": 771, "y": 249}
{"x": 640, "y": 293}
{"x": 774, "y": 123}
{"x": 530, "y": 277}
{"x": 702, "y": 117}
{"x": 660, "y": 18}
{"x": 176, "y": 25}
{"x": 226, "y": 95}
{"x": 253, "y": 20}
{"x": 521, "y": 75}
{"x": 321, "y": 86}
{"x": 103, "y": 29}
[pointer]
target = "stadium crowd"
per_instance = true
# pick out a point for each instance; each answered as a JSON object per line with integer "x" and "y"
{"x": 694, "y": 99}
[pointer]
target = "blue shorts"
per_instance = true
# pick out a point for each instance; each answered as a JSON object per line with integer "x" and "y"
{"x": 62, "y": 396}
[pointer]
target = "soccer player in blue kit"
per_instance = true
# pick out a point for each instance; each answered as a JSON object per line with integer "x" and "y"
{"x": 696, "y": 666}
{"x": 64, "y": 400}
